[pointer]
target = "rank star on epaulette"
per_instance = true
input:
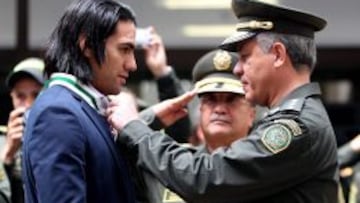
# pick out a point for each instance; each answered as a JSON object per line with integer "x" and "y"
{"x": 276, "y": 138}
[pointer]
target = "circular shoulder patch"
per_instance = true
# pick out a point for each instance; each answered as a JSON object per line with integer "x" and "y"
{"x": 276, "y": 138}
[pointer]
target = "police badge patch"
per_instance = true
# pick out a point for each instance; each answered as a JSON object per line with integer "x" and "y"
{"x": 276, "y": 138}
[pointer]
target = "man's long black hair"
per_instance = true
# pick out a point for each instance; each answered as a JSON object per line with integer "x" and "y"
{"x": 96, "y": 20}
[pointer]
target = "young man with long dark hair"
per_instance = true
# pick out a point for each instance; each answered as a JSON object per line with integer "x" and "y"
{"x": 69, "y": 153}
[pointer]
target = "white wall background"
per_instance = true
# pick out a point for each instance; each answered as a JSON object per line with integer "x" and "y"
{"x": 343, "y": 17}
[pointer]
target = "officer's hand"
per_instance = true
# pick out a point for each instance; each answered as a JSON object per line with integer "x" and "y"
{"x": 122, "y": 110}
{"x": 171, "y": 110}
{"x": 15, "y": 130}
{"x": 155, "y": 55}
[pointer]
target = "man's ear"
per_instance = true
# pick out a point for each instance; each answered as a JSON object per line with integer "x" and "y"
{"x": 279, "y": 51}
{"x": 82, "y": 41}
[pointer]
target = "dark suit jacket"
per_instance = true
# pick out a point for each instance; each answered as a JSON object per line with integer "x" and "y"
{"x": 69, "y": 153}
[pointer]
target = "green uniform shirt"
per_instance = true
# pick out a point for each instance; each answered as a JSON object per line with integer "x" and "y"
{"x": 289, "y": 156}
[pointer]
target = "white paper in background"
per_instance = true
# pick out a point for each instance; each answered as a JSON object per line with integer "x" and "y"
{"x": 338, "y": 91}
{"x": 142, "y": 37}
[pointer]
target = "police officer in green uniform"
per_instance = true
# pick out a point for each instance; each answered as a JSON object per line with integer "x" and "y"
{"x": 290, "y": 155}
{"x": 224, "y": 114}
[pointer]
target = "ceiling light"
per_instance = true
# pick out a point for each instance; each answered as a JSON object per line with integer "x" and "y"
{"x": 276, "y": 2}
{"x": 197, "y": 4}
{"x": 208, "y": 30}
{"x": 204, "y": 4}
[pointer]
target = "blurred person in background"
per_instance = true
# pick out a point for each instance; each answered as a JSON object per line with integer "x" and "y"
{"x": 168, "y": 83}
{"x": 5, "y": 189}
{"x": 25, "y": 82}
{"x": 349, "y": 157}
{"x": 224, "y": 114}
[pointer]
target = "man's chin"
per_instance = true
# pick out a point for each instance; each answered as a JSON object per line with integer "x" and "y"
{"x": 219, "y": 129}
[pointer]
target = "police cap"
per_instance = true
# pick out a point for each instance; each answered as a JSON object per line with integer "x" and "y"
{"x": 213, "y": 73}
{"x": 255, "y": 17}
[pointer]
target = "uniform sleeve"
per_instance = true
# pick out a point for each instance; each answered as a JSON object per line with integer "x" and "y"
{"x": 242, "y": 172}
{"x": 169, "y": 86}
{"x": 347, "y": 156}
{"x": 54, "y": 156}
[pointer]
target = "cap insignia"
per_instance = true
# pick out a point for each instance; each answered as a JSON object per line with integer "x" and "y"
{"x": 222, "y": 60}
{"x": 254, "y": 24}
{"x": 276, "y": 138}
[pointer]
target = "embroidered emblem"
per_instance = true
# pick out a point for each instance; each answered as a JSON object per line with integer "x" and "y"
{"x": 292, "y": 125}
{"x": 222, "y": 60}
{"x": 276, "y": 138}
{"x": 218, "y": 85}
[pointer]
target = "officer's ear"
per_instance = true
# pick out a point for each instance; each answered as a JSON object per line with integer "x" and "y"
{"x": 280, "y": 54}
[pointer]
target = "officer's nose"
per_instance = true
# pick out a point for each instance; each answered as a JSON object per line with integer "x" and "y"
{"x": 238, "y": 69}
{"x": 220, "y": 107}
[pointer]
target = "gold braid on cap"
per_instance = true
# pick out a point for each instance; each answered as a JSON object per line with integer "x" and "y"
{"x": 254, "y": 24}
{"x": 208, "y": 81}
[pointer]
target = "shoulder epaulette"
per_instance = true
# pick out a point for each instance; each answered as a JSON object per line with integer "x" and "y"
{"x": 291, "y": 104}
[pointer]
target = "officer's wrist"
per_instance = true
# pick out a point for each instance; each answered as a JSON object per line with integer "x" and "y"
{"x": 161, "y": 72}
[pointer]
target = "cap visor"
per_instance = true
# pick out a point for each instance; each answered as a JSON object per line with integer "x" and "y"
{"x": 31, "y": 73}
{"x": 231, "y": 43}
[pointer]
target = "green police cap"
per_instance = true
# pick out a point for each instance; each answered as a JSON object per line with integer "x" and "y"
{"x": 213, "y": 73}
{"x": 255, "y": 17}
{"x": 30, "y": 67}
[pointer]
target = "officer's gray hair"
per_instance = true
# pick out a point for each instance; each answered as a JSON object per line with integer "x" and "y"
{"x": 301, "y": 50}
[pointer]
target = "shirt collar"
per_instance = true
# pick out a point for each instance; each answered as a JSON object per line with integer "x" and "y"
{"x": 92, "y": 96}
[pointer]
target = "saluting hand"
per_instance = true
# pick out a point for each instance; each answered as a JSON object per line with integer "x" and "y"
{"x": 121, "y": 111}
{"x": 171, "y": 110}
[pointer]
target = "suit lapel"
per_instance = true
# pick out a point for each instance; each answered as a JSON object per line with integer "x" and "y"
{"x": 101, "y": 125}
{"x": 103, "y": 128}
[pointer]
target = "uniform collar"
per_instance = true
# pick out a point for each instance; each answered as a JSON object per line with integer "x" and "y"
{"x": 306, "y": 90}
{"x": 88, "y": 93}
{"x": 295, "y": 100}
